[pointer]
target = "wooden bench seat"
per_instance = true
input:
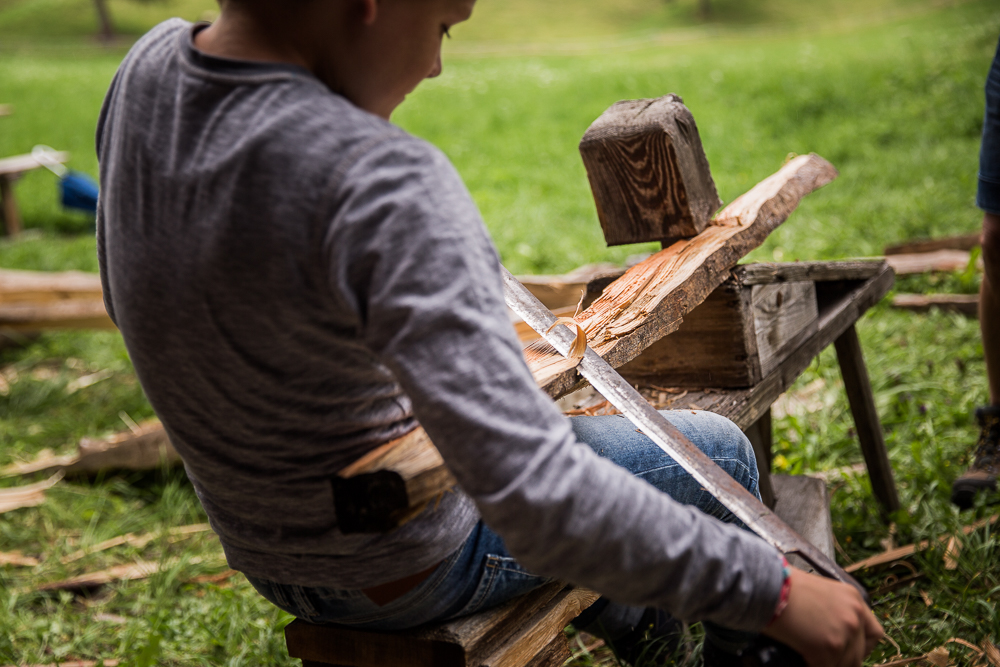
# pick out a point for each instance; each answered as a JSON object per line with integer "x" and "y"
{"x": 11, "y": 169}
{"x": 526, "y": 631}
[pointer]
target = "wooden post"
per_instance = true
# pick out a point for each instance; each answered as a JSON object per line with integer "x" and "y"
{"x": 648, "y": 172}
{"x": 760, "y": 436}
{"x": 866, "y": 421}
{"x": 11, "y": 219}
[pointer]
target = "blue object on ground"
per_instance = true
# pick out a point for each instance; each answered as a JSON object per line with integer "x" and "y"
{"x": 78, "y": 191}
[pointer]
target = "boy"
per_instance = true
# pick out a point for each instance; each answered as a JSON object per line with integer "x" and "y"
{"x": 297, "y": 281}
{"x": 982, "y": 474}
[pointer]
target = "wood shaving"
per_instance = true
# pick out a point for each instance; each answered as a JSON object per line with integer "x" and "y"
{"x": 951, "y": 553}
{"x": 137, "y": 541}
{"x": 26, "y": 496}
{"x": 579, "y": 346}
{"x": 15, "y": 558}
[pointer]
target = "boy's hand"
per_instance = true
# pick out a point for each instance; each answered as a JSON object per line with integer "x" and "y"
{"x": 826, "y": 621}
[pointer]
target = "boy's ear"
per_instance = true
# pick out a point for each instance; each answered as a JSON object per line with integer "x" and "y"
{"x": 369, "y": 11}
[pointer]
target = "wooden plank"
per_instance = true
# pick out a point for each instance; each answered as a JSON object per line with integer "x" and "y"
{"x": 646, "y": 303}
{"x": 65, "y": 314}
{"x": 715, "y": 345}
{"x": 648, "y": 172}
{"x": 482, "y": 632}
{"x": 964, "y": 304}
{"x": 866, "y": 420}
{"x": 963, "y": 242}
{"x": 650, "y": 299}
{"x": 19, "y": 164}
{"x": 783, "y": 315}
{"x": 537, "y": 632}
{"x": 11, "y": 217}
{"x": 42, "y": 286}
{"x": 804, "y": 504}
{"x": 929, "y": 262}
{"x": 765, "y": 273}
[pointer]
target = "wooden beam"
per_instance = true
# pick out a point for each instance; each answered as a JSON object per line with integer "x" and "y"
{"x": 642, "y": 306}
{"x": 65, "y": 314}
{"x": 929, "y": 262}
{"x": 43, "y": 286}
{"x": 866, "y": 420}
{"x": 964, "y": 304}
{"x": 963, "y": 242}
{"x": 650, "y": 299}
{"x": 648, "y": 172}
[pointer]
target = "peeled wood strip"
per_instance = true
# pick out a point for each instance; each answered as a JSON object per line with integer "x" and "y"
{"x": 136, "y": 540}
{"x": 26, "y": 496}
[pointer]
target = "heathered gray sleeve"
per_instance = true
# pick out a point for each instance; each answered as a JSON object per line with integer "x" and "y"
{"x": 408, "y": 251}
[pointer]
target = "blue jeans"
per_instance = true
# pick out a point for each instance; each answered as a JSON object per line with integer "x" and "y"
{"x": 482, "y": 574}
{"x": 988, "y": 194}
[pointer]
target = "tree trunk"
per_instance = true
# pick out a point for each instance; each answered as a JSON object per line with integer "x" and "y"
{"x": 104, "y": 18}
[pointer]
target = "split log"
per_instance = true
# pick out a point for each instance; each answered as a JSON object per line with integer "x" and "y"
{"x": 642, "y": 306}
{"x": 26, "y": 496}
{"x": 964, "y": 304}
{"x": 145, "y": 448}
{"x": 929, "y": 262}
{"x": 648, "y": 172}
{"x": 963, "y": 242}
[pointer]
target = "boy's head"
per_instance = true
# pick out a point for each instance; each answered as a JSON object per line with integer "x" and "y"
{"x": 374, "y": 52}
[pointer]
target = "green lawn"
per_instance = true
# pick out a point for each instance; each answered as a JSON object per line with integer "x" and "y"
{"x": 890, "y": 91}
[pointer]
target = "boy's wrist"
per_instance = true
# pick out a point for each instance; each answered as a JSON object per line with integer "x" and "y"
{"x": 786, "y": 589}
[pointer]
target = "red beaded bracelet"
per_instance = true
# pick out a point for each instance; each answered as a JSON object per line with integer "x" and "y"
{"x": 786, "y": 588}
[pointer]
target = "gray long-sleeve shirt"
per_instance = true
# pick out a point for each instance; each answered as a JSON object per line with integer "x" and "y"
{"x": 297, "y": 281}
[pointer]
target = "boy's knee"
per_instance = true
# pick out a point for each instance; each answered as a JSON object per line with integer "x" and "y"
{"x": 718, "y": 437}
{"x": 991, "y": 238}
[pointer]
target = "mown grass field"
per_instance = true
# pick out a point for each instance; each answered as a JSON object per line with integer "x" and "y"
{"x": 890, "y": 91}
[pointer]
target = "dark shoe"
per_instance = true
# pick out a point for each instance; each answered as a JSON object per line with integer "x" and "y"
{"x": 982, "y": 474}
{"x": 655, "y": 640}
{"x": 763, "y": 652}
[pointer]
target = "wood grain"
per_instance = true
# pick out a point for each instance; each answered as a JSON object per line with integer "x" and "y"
{"x": 648, "y": 172}
{"x": 783, "y": 315}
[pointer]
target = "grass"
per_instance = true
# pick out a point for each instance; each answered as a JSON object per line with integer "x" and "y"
{"x": 890, "y": 91}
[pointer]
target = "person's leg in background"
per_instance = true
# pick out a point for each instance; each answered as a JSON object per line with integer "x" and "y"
{"x": 981, "y": 476}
